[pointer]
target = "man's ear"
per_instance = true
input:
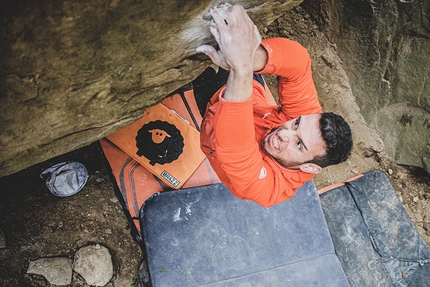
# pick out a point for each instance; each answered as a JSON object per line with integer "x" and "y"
{"x": 310, "y": 168}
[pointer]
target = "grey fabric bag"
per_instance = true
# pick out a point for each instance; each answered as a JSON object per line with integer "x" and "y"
{"x": 65, "y": 178}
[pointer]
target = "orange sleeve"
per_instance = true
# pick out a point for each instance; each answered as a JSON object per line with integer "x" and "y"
{"x": 291, "y": 62}
{"x": 246, "y": 171}
{"x": 239, "y": 154}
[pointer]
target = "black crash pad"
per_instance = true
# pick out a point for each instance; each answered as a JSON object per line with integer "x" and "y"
{"x": 374, "y": 238}
{"x": 204, "y": 236}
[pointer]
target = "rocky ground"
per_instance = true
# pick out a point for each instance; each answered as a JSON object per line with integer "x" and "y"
{"x": 37, "y": 224}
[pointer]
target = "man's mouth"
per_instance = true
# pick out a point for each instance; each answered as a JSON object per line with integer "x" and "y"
{"x": 275, "y": 142}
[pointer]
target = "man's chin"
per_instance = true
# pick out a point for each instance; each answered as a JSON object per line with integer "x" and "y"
{"x": 288, "y": 165}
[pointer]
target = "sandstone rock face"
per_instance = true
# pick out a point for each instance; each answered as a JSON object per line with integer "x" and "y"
{"x": 72, "y": 72}
{"x": 335, "y": 93}
{"x": 385, "y": 48}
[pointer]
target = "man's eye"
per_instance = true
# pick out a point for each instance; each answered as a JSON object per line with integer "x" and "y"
{"x": 299, "y": 145}
{"x": 296, "y": 124}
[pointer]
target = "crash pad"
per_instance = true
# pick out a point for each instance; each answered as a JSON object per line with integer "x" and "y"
{"x": 133, "y": 183}
{"x": 164, "y": 143}
{"x": 204, "y": 236}
{"x": 374, "y": 238}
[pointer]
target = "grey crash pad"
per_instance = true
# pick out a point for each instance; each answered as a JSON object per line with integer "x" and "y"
{"x": 204, "y": 236}
{"x": 374, "y": 238}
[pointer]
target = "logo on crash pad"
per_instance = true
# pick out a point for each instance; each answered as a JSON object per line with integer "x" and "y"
{"x": 160, "y": 142}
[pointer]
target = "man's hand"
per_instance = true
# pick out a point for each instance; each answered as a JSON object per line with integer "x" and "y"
{"x": 238, "y": 40}
{"x": 216, "y": 56}
{"x": 236, "y": 34}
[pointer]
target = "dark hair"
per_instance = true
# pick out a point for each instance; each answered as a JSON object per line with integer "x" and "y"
{"x": 338, "y": 140}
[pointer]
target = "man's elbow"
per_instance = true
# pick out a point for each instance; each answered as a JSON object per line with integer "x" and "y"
{"x": 257, "y": 197}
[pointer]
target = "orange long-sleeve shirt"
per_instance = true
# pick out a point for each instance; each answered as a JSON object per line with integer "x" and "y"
{"x": 232, "y": 132}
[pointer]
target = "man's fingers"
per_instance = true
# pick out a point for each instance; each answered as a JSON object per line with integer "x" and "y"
{"x": 238, "y": 14}
{"x": 236, "y": 35}
{"x": 217, "y": 18}
{"x": 214, "y": 31}
{"x": 216, "y": 56}
{"x": 220, "y": 14}
{"x": 209, "y": 51}
{"x": 206, "y": 49}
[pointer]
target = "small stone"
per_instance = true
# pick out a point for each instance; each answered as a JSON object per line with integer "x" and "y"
{"x": 416, "y": 199}
{"x": 390, "y": 171}
{"x": 94, "y": 264}
{"x": 108, "y": 231}
{"x": 57, "y": 270}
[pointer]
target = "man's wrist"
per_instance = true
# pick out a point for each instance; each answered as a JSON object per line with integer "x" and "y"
{"x": 260, "y": 59}
{"x": 239, "y": 85}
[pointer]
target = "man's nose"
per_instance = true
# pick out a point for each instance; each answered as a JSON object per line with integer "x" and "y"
{"x": 287, "y": 135}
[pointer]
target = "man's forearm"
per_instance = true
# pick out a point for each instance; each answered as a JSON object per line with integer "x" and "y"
{"x": 239, "y": 84}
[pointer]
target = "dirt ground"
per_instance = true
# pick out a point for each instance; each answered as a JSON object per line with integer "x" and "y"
{"x": 38, "y": 224}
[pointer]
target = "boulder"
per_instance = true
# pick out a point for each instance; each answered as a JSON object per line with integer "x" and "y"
{"x": 385, "y": 48}
{"x": 73, "y": 72}
{"x": 335, "y": 93}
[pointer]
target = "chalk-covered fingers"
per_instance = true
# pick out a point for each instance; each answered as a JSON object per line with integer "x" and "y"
{"x": 217, "y": 57}
{"x": 236, "y": 35}
{"x": 220, "y": 14}
{"x": 214, "y": 31}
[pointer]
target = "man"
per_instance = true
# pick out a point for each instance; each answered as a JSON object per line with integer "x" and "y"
{"x": 264, "y": 152}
